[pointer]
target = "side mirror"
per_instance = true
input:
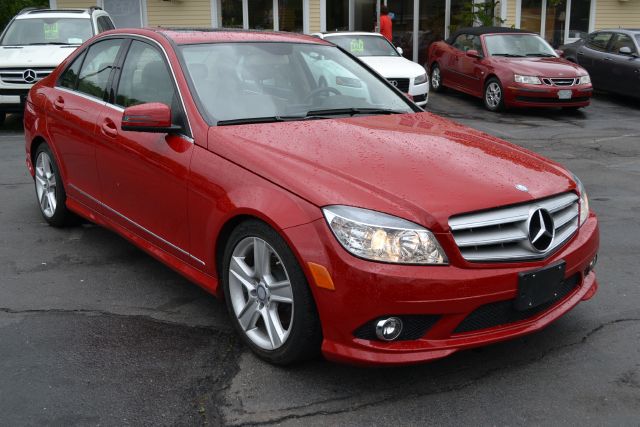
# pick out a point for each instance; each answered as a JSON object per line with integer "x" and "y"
{"x": 400, "y": 51}
{"x": 625, "y": 50}
{"x": 472, "y": 53}
{"x": 559, "y": 52}
{"x": 151, "y": 117}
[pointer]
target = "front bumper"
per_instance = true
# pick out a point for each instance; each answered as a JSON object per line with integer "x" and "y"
{"x": 420, "y": 93}
{"x": 13, "y": 100}
{"x": 525, "y": 95}
{"x": 365, "y": 291}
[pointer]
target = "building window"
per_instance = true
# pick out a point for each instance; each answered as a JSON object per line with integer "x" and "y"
{"x": 431, "y": 25}
{"x": 337, "y": 15}
{"x": 402, "y": 12}
{"x": 531, "y": 15}
{"x": 261, "y": 14}
{"x": 231, "y": 13}
{"x": 290, "y": 15}
{"x": 460, "y": 18}
{"x": 365, "y": 15}
{"x": 125, "y": 13}
{"x": 579, "y": 21}
{"x": 555, "y": 22}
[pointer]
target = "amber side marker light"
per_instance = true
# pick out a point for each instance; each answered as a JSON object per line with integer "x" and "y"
{"x": 321, "y": 276}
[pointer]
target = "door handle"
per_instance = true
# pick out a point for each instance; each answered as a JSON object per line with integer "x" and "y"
{"x": 606, "y": 58}
{"x": 109, "y": 128}
{"x": 58, "y": 104}
{"x": 580, "y": 52}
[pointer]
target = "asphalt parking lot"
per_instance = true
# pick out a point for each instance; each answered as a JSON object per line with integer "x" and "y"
{"x": 94, "y": 331}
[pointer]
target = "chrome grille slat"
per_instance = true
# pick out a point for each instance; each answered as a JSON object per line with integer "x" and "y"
{"x": 501, "y": 234}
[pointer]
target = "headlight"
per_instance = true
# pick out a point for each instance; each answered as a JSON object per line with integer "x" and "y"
{"x": 585, "y": 80}
{"x": 380, "y": 237}
{"x": 531, "y": 80}
{"x": 420, "y": 79}
{"x": 584, "y": 200}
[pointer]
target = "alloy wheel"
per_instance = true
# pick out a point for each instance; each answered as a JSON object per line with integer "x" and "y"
{"x": 435, "y": 78}
{"x": 260, "y": 292}
{"x": 493, "y": 95}
{"x": 46, "y": 185}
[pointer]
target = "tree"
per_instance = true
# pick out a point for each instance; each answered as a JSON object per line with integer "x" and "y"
{"x": 9, "y": 8}
{"x": 484, "y": 14}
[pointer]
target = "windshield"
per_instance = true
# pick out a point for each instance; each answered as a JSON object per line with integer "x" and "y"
{"x": 284, "y": 81}
{"x": 638, "y": 39}
{"x": 363, "y": 45}
{"x": 514, "y": 45}
{"x": 34, "y": 31}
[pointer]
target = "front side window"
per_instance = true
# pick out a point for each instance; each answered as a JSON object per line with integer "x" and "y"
{"x": 144, "y": 77}
{"x": 96, "y": 69}
{"x": 620, "y": 41}
{"x": 599, "y": 41}
{"x": 34, "y": 31}
{"x": 243, "y": 81}
{"x": 465, "y": 42}
{"x": 364, "y": 45}
{"x": 518, "y": 45}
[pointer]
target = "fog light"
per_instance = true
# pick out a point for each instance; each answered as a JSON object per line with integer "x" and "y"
{"x": 389, "y": 329}
{"x": 591, "y": 265}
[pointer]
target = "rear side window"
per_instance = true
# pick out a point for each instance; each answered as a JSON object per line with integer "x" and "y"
{"x": 96, "y": 69}
{"x": 104, "y": 24}
{"x": 69, "y": 78}
{"x": 145, "y": 77}
{"x": 599, "y": 41}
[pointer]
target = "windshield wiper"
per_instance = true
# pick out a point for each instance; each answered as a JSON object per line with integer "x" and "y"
{"x": 268, "y": 119}
{"x": 352, "y": 111}
{"x": 508, "y": 55}
{"x": 543, "y": 55}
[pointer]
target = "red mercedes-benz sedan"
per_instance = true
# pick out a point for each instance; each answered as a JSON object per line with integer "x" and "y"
{"x": 507, "y": 68}
{"x": 358, "y": 225}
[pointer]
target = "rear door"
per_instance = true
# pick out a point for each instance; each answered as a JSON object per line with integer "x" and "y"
{"x": 591, "y": 56}
{"x": 144, "y": 175}
{"x": 624, "y": 69}
{"x": 78, "y": 100}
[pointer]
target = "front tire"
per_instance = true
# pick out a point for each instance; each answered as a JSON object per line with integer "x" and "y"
{"x": 493, "y": 95}
{"x": 436, "y": 78}
{"x": 268, "y": 297}
{"x": 50, "y": 190}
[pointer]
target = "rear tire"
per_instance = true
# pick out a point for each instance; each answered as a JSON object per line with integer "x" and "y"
{"x": 270, "y": 303}
{"x": 436, "y": 78}
{"x": 493, "y": 95}
{"x": 50, "y": 192}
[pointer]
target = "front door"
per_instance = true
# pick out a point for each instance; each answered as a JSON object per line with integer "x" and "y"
{"x": 592, "y": 54}
{"x": 144, "y": 175}
{"x": 624, "y": 69}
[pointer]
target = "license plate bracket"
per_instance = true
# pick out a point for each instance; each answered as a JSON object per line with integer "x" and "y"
{"x": 565, "y": 94}
{"x": 539, "y": 286}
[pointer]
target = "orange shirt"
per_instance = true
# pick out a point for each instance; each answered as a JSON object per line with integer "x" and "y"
{"x": 385, "y": 27}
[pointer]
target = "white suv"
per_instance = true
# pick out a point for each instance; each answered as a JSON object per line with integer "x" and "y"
{"x": 35, "y": 42}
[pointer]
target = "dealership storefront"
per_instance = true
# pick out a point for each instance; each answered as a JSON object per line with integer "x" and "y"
{"x": 416, "y": 23}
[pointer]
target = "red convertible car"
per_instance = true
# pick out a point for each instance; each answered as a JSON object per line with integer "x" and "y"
{"x": 356, "y": 225}
{"x": 507, "y": 68}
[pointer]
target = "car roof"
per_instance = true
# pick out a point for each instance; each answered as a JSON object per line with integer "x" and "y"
{"x": 479, "y": 31}
{"x": 220, "y": 35}
{"x": 350, "y": 33}
{"x": 55, "y": 13}
{"x": 620, "y": 30}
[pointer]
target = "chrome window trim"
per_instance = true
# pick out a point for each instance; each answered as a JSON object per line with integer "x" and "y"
{"x": 117, "y": 107}
{"x": 132, "y": 222}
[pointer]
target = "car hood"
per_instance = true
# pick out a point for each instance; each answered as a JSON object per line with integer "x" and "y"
{"x": 34, "y": 56}
{"x": 542, "y": 67}
{"x": 416, "y": 166}
{"x": 393, "y": 66}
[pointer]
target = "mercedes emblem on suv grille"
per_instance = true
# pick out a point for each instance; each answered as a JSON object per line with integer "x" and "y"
{"x": 29, "y": 75}
{"x": 394, "y": 82}
{"x": 541, "y": 229}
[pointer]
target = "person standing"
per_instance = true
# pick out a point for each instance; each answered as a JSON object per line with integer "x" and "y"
{"x": 386, "y": 27}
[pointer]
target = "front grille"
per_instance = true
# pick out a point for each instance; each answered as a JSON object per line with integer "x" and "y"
{"x": 401, "y": 83}
{"x": 502, "y": 234}
{"x": 413, "y": 327}
{"x": 561, "y": 81}
{"x": 550, "y": 100}
{"x": 16, "y": 75}
{"x": 503, "y": 313}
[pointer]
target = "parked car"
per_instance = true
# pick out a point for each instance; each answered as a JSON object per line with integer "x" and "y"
{"x": 507, "y": 68}
{"x": 367, "y": 228}
{"x": 35, "y": 41}
{"x": 612, "y": 58}
{"x": 377, "y": 52}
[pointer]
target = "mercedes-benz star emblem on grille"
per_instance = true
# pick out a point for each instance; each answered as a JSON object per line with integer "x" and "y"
{"x": 541, "y": 229}
{"x": 29, "y": 76}
{"x": 394, "y": 82}
{"x": 522, "y": 188}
